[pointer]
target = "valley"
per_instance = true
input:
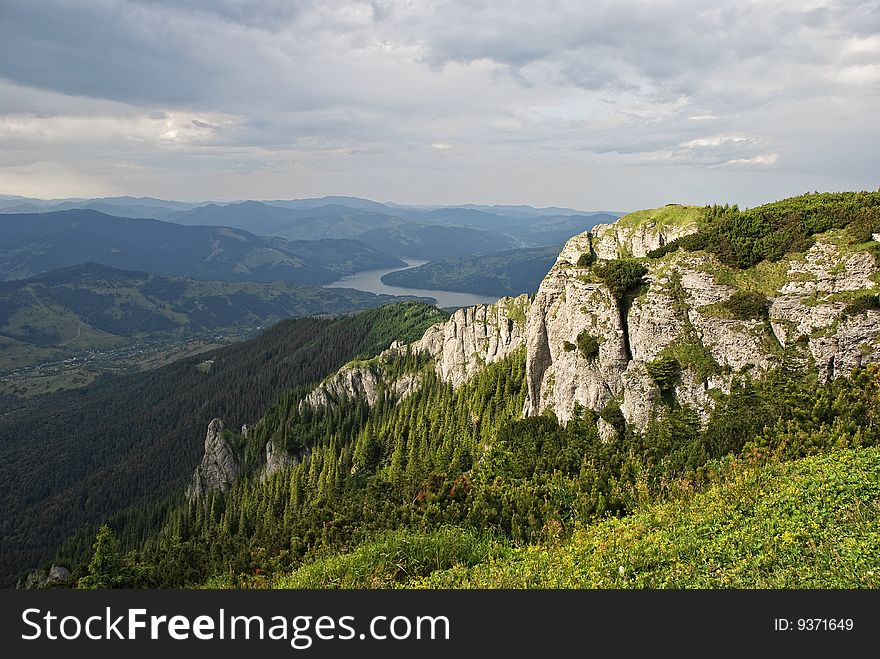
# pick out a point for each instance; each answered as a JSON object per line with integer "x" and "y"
{"x": 65, "y": 328}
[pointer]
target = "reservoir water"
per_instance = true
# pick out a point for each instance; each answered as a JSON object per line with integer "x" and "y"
{"x": 371, "y": 281}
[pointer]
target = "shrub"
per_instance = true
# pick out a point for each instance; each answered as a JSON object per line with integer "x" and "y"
{"x": 663, "y": 250}
{"x": 612, "y": 415}
{"x": 664, "y": 372}
{"x": 588, "y": 345}
{"x": 742, "y": 239}
{"x": 586, "y": 260}
{"x": 747, "y": 305}
{"x": 861, "y": 304}
{"x": 568, "y": 346}
{"x": 621, "y": 276}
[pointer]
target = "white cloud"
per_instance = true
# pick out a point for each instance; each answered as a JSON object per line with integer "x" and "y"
{"x": 763, "y": 159}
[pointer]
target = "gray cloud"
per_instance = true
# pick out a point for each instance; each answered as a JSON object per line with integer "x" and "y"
{"x": 344, "y": 96}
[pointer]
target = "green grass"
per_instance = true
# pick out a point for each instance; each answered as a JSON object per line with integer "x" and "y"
{"x": 395, "y": 558}
{"x": 671, "y": 215}
{"x": 813, "y": 523}
{"x": 766, "y": 277}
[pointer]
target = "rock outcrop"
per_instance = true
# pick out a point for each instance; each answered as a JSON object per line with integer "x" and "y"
{"x": 676, "y": 314}
{"x": 470, "y": 339}
{"x": 611, "y": 241}
{"x": 356, "y": 381}
{"x": 808, "y": 308}
{"x": 56, "y": 576}
{"x": 219, "y": 466}
{"x": 476, "y": 336}
{"x": 276, "y": 459}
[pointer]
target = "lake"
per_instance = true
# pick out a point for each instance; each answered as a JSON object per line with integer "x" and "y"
{"x": 371, "y": 281}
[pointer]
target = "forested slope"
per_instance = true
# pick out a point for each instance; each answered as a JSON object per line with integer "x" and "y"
{"x": 73, "y": 458}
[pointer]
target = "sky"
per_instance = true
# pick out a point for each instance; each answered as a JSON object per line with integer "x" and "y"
{"x": 612, "y": 105}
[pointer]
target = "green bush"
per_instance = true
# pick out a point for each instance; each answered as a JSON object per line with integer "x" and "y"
{"x": 861, "y": 304}
{"x": 588, "y": 345}
{"x": 568, "y": 346}
{"x": 621, "y": 276}
{"x": 664, "y": 372}
{"x": 747, "y": 305}
{"x": 742, "y": 239}
{"x": 612, "y": 415}
{"x": 663, "y": 250}
{"x": 586, "y": 260}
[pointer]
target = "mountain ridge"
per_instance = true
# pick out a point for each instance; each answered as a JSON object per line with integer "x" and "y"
{"x": 671, "y": 332}
{"x": 39, "y": 242}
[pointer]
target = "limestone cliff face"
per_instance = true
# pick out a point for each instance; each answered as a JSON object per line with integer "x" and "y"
{"x": 808, "y": 307}
{"x": 585, "y": 347}
{"x": 219, "y": 466}
{"x": 460, "y": 347}
{"x": 476, "y": 336}
{"x": 349, "y": 382}
{"x": 276, "y": 459}
{"x": 614, "y": 240}
{"x": 677, "y": 314}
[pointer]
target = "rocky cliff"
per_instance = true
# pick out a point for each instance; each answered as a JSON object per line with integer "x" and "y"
{"x": 680, "y": 313}
{"x": 459, "y": 347}
{"x": 687, "y": 328}
{"x": 474, "y": 337}
{"x": 219, "y": 466}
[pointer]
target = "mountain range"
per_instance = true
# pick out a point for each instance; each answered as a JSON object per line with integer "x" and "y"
{"x": 405, "y": 231}
{"x": 35, "y": 243}
{"x": 671, "y": 366}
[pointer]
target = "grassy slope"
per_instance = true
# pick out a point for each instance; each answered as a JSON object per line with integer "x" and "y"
{"x": 813, "y": 523}
{"x": 670, "y": 215}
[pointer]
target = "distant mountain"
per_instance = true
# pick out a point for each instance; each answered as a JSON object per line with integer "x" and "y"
{"x": 144, "y": 207}
{"x": 526, "y": 231}
{"x": 93, "y": 307}
{"x": 510, "y": 272}
{"x": 40, "y": 242}
{"x": 421, "y": 236}
{"x": 407, "y": 232}
{"x": 294, "y": 223}
{"x": 349, "y": 202}
{"x": 393, "y": 228}
{"x": 556, "y": 229}
{"x": 433, "y": 242}
{"x": 522, "y": 210}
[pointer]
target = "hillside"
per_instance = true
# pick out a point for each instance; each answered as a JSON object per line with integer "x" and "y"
{"x": 811, "y": 523}
{"x": 511, "y": 272}
{"x": 36, "y": 243}
{"x": 74, "y": 458}
{"x": 656, "y": 349}
{"x": 86, "y": 319}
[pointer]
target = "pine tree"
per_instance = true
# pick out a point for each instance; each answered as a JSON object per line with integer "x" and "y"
{"x": 106, "y": 569}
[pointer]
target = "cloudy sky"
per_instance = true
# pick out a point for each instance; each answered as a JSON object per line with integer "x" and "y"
{"x": 617, "y": 104}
